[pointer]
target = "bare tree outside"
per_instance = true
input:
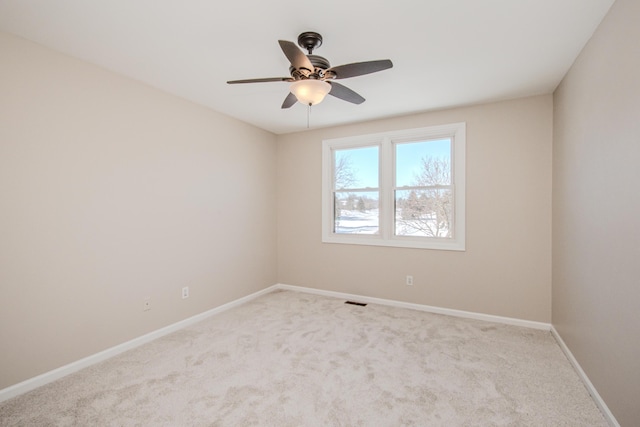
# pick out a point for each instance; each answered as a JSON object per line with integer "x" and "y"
{"x": 345, "y": 174}
{"x": 426, "y": 208}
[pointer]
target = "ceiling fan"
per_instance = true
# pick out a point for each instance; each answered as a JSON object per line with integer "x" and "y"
{"x": 312, "y": 76}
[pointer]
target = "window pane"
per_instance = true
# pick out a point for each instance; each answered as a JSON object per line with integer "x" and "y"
{"x": 424, "y": 213}
{"x": 423, "y": 163}
{"x": 356, "y": 212}
{"x": 356, "y": 168}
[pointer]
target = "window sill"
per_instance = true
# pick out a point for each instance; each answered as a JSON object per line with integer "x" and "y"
{"x": 397, "y": 242}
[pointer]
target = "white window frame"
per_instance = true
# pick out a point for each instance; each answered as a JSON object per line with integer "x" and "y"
{"x": 386, "y": 142}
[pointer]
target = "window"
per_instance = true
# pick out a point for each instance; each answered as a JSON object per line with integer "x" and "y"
{"x": 402, "y": 188}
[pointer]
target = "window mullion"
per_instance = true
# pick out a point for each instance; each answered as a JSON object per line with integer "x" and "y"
{"x": 425, "y": 187}
{"x": 387, "y": 183}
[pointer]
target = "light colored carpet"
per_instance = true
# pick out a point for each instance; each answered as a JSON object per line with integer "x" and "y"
{"x": 296, "y": 359}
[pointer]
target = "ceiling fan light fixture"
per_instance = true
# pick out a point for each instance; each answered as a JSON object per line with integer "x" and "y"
{"x": 310, "y": 91}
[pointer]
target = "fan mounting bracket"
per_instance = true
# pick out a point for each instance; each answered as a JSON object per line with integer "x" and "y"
{"x": 309, "y": 40}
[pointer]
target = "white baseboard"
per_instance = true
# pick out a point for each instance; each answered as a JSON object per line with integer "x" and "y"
{"x": 587, "y": 383}
{"x": 431, "y": 309}
{"x": 58, "y": 373}
{"x": 47, "y": 377}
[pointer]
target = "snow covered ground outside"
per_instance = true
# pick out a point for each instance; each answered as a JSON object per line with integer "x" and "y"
{"x": 359, "y": 222}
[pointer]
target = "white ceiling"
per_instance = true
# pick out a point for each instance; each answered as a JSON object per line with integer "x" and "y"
{"x": 445, "y": 52}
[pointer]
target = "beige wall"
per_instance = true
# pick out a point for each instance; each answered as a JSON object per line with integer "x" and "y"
{"x": 506, "y": 269}
{"x": 112, "y": 191}
{"x": 596, "y": 210}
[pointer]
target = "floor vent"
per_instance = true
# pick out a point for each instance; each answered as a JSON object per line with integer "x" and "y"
{"x": 361, "y": 304}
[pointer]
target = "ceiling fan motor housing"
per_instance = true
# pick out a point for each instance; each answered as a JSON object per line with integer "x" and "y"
{"x": 309, "y": 40}
{"x": 319, "y": 63}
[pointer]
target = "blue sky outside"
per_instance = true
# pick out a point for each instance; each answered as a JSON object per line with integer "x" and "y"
{"x": 364, "y": 161}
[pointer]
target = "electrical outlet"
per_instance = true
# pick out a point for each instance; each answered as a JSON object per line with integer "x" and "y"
{"x": 185, "y": 292}
{"x": 409, "y": 280}
{"x": 147, "y": 304}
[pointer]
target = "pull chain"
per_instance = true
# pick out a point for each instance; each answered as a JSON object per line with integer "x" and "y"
{"x": 308, "y": 114}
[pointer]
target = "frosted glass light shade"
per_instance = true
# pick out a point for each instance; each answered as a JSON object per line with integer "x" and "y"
{"x": 310, "y": 91}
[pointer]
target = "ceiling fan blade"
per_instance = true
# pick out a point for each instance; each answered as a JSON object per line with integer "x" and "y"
{"x": 296, "y": 57}
{"x": 360, "y": 68}
{"x": 289, "y": 101}
{"x": 344, "y": 93}
{"x": 264, "y": 80}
